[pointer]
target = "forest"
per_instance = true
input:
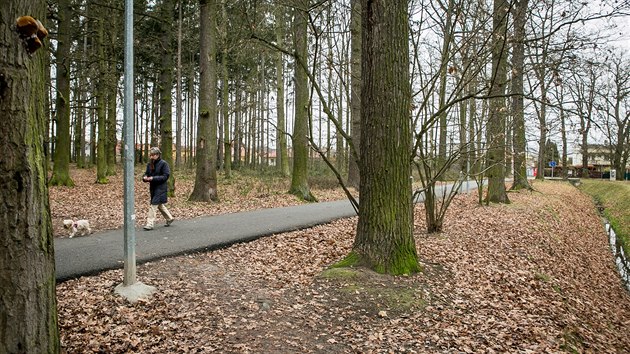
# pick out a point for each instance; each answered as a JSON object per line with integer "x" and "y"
{"x": 452, "y": 89}
{"x": 564, "y": 65}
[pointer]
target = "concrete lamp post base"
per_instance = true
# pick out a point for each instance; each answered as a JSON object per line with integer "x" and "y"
{"x": 135, "y": 291}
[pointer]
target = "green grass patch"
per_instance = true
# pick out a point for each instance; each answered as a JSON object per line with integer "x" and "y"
{"x": 614, "y": 197}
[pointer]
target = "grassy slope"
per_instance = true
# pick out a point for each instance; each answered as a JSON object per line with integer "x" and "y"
{"x": 615, "y": 197}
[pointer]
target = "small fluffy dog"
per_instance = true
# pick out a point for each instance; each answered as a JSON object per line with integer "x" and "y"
{"x": 82, "y": 227}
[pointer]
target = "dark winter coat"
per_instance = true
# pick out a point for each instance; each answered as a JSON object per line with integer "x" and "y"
{"x": 158, "y": 187}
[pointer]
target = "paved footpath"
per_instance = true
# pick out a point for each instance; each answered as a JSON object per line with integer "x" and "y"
{"x": 79, "y": 256}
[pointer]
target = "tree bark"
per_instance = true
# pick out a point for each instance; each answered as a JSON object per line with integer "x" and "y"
{"x": 178, "y": 95}
{"x": 299, "y": 180}
{"x": 227, "y": 158}
{"x": 444, "y": 60}
{"x": 355, "y": 99}
{"x": 61, "y": 166}
{"x": 101, "y": 99}
{"x": 518, "y": 112}
{"x": 384, "y": 241}
{"x": 497, "y": 111}
{"x": 167, "y": 12}
{"x": 205, "y": 188}
{"x": 112, "y": 139}
{"x": 282, "y": 155}
{"x": 28, "y": 315}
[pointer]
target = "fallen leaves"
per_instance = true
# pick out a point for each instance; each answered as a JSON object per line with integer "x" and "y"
{"x": 533, "y": 276}
{"x": 102, "y": 204}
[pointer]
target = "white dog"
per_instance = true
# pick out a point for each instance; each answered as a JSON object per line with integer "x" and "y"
{"x": 81, "y": 227}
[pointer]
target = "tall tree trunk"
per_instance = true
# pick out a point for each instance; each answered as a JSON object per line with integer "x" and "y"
{"x": 112, "y": 139}
{"x": 79, "y": 124}
{"x": 518, "y": 112}
{"x": 282, "y": 154}
{"x": 497, "y": 111}
{"x": 82, "y": 89}
{"x": 542, "y": 139}
{"x": 178, "y": 95}
{"x": 299, "y": 180}
{"x": 261, "y": 101}
{"x": 563, "y": 132}
{"x": 384, "y": 241}
{"x": 238, "y": 134}
{"x": 341, "y": 163}
{"x": 251, "y": 141}
{"x": 61, "y": 167}
{"x": 355, "y": 99}
{"x": 28, "y": 310}
{"x": 205, "y": 188}
{"x": 113, "y": 76}
{"x": 225, "y": 92}
{"x": 444, "y": 60}
{"x": 463, "y": 139}
{"x": 166, "y": 88}
{"x": 191, "y": 115}
{"x": 93, "y": 125}
{"x": 473, "y": 166}
{"x": 101, "y": 99}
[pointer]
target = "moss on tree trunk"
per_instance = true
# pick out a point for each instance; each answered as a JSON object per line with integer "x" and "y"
{"x": 384, "y": 240}
{"x": 28, "y": 315}
{"x": 299, "y": 179}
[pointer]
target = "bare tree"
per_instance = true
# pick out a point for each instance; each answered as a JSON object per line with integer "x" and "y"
{"x": 616, "y": 110}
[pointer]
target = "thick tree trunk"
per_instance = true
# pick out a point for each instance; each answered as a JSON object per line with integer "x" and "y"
{"x": 497, "y": 111}
{"x": 28, "y": 315}
{"x": 299, "y": 180}
{"x": 61, "y": 166}
{"x": 384, "y": 241}
{"x": 205, "y": 188}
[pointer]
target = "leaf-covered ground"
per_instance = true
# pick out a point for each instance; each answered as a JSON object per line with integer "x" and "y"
{"x": 535, "y": 276}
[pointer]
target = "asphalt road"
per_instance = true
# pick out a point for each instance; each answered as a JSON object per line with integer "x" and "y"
{"x": 81, "y": 256}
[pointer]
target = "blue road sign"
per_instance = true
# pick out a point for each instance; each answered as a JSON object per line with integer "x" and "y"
{"x": 552, "y": 164}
